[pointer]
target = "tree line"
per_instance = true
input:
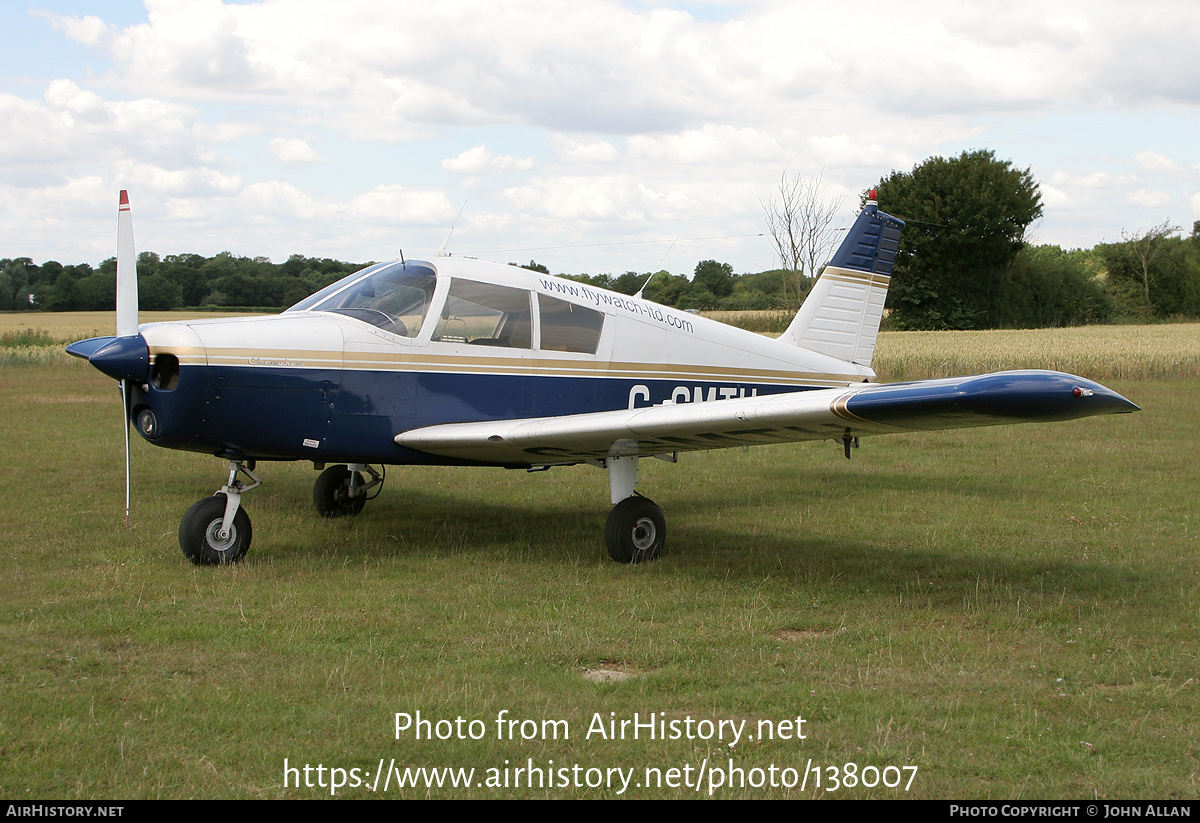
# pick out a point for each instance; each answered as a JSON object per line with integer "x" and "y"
{"x": 175, "y": 281}
{"x": 963, "y": 263}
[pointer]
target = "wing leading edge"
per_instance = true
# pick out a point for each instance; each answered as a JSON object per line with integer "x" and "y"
{"x": 820, "y": 414}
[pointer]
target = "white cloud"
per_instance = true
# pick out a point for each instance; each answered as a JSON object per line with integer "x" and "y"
{"x": 478, "y": 160}
{"x": 293, "y": 151}
{"x": 710, "y": 143}
{"x": 1088, "y": 180}
{"x": 633, "y": 113}
{"x": 74, "y": 131}
{"x": 395, "y": 205}
{"x": 1159, "y": 164}
{"x": 88, "y": 30}
{"x": 574, "y": 149}
{"x": 191, "y": 182}
{"x": 1149, "y": 199}
{"x": 608, "y": 67}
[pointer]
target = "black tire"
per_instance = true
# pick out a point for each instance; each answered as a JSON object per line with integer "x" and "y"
{"x": 331, "y": 492}
{"x": 198, "y": 533}
{"x": 636, "y": 531}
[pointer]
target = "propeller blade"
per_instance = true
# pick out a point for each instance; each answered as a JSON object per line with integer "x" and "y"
{"x": 127, "y": 314}
{"x": 127, "y": 291}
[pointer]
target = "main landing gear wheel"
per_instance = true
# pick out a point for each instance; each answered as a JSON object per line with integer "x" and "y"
{"x": 331, "y": 492}
{"x": 200, "y": 533}
{"x": 636, "y": 530}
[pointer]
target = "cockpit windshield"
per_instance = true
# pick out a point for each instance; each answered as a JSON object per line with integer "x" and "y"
{"x": 393, "y": 296}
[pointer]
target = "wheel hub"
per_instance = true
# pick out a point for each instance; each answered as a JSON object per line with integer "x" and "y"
{"x": 643, "y": 533}
{"x": 214, "y": 539}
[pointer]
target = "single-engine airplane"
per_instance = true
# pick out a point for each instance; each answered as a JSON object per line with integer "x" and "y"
{"x": 456, "y": 361}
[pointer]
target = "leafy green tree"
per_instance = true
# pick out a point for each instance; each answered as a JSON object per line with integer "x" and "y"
{"x": 1047, "y": 287}
{"x": 185, "y": 271}
{"x": 628, "y": 283}
{"x": 15, "y": 283}
{"x": 600, "y": 281}
{"x": 533, "y": 265}
{"x": 64, "y": 294}
{"x": 782, "y": 288}
{"x": 157, "y": 293}
{"x": 97, "y": 291}
{"x": 238, "y": 290}
{"x": 1161, "y": 284}
{"x": 699, "y": 298}
{"x": 147, "y": 263}
{"x": 667, "y": 289}
{"x": 50, "y": 270}
{"x": 966, "y": 217}
{"x": 715, "y": 278}
{"x": 1146, "y": 247}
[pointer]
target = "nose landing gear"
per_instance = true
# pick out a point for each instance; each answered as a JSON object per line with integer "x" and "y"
{"x": 216, "y": 530}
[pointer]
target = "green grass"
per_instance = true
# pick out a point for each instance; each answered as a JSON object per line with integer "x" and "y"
{"x": 1012, "y": 610}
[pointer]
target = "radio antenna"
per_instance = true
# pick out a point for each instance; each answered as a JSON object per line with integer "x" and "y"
{"x": 656, "y": 271}
{"x": 442, "y": 251}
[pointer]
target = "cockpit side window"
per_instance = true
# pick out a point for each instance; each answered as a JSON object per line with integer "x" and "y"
{"x": 394, "y": 297}
{"x": 484, "y": 314}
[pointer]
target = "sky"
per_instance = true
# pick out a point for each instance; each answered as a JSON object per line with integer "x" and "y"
{"x": 596, "y": 136}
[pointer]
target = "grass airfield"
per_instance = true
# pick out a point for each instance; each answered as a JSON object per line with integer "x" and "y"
{"x": 1010, "y": 610}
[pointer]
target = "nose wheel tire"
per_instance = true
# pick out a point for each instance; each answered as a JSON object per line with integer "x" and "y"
{"x": 636, "y": 531}
{"x": 200, "y": 533}
{"x": 331, "y": 492}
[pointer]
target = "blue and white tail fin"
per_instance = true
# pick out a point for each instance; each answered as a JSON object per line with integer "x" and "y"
{"x": 840, "y": 317}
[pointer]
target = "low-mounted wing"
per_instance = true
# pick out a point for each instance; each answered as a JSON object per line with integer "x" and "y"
{"x": 820, "y": 414}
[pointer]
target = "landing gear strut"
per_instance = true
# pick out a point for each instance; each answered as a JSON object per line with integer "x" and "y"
{"x": 636, "y": 530}
{"x": 216, "y": 530}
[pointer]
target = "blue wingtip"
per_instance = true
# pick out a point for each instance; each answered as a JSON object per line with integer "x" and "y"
{"x": 1040, "y": 395}
{"x": 987, "y": 399}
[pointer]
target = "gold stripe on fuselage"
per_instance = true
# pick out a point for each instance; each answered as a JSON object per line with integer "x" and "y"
{"x": 515, "y": 366}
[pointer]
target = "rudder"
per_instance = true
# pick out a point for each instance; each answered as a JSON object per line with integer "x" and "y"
{"x": 841, "y": 316}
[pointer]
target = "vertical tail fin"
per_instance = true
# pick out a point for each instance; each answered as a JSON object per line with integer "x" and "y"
{"x": 840, "y": 317}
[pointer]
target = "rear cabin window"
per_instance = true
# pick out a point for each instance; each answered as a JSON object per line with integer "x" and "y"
{"x": 483, "y": 314}
{"x": 568, "y": 327}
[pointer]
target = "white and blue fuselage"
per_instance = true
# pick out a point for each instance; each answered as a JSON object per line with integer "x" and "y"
{"x": 333, "y": 382}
